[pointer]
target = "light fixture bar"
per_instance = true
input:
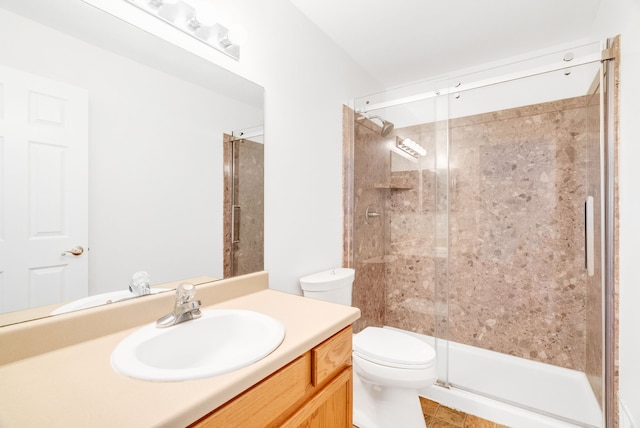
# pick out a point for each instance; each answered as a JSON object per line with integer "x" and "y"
{"x": 195, "y": 22}
{"x": 411, "y": 147}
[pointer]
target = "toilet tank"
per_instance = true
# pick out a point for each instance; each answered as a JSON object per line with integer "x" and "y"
{"x": 332, "y": 285}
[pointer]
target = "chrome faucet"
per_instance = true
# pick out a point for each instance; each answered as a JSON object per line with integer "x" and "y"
{"x": 140, "y": 283}
{"x": 185, "y": 309}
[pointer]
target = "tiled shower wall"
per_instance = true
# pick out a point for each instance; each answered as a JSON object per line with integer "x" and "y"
{"x": 516, "y": 278}
{"x": 516, "y": 273}
{"x": 248, "y": 184}
{"x": 370, "y": 170}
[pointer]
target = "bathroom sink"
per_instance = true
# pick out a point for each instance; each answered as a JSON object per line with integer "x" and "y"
{"x": 99, "y": 299}
{"x": 218, "y": 342}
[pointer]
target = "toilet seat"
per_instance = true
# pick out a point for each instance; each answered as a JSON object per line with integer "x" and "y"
{"x": 393, "y": 349}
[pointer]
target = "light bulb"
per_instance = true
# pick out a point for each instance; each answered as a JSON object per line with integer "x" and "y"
{"x": 169, "y": 9}
{"x": 205, "y": 15}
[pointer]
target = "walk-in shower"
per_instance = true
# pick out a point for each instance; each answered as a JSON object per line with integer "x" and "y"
{"x": 479, "y": 242}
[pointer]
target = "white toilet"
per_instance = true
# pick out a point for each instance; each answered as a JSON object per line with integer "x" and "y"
{"x": 389, "y": 366}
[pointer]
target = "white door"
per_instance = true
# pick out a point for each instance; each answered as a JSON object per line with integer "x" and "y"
{"x": 43, "y": 190}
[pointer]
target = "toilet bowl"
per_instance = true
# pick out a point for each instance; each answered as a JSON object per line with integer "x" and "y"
{"x": 389, "y": 369}
{"x": 389, "y": 366}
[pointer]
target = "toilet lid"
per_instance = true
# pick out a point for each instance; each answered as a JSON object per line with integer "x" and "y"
{"x": 392, "y": 348}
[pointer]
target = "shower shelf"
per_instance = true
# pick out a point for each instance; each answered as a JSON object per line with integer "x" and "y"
{"x": 393, "y": 186}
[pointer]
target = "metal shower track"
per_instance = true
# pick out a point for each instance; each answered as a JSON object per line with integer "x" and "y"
{"x": 587, "y": 59}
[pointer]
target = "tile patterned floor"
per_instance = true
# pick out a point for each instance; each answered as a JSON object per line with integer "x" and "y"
{"x": 438, "y": 416}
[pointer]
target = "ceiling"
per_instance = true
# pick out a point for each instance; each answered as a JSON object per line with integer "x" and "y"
{"x": 403, "y": 41}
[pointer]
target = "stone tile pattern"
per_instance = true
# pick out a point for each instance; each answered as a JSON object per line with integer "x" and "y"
{"x": 371, "y": 171}
{"x": 348, "y": 116}
{"x": 417, "y": 238}
{"x": 515, "y": 279}
{"x": 516, "y": 263}
{"x": 248, "y": 255}
{"x": 226, "y": 202}
{"x": 612, "y": 396}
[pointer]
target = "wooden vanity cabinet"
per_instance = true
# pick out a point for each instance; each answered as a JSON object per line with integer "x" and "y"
{"x": 314, "y": 390}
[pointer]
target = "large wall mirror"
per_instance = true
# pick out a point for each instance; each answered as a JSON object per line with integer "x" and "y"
{"x": 112, "y": 140}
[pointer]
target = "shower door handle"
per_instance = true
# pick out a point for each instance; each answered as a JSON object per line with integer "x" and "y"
{"x": 588, "y": 235}
{"x": 235, "y": 224}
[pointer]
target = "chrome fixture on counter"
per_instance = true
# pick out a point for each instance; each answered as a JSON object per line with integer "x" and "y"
{"x": 185, "y": 309}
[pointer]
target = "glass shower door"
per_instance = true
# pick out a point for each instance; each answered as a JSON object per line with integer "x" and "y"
{"x": 525, "y": 313}
{"x": 489, "y": 246}
{"x": 400, "y": 216}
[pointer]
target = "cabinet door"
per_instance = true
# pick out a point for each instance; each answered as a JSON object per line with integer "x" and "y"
{"x": 262, "y": 405}
{"x": 316, "y": 390}
{"x": 332, "y": 406}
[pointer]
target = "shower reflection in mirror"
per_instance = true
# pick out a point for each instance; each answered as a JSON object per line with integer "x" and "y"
{"x": 243, "y": 215}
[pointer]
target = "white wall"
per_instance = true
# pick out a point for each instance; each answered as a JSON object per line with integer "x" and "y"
{"x": 306, "y": 79}
{"x": 630, "y": 217}
{"x": 155, "y": 157}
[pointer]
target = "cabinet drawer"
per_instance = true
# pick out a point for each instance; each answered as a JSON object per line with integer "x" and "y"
{"x": 266, "y": 401}
{"x": 331, "y": 356}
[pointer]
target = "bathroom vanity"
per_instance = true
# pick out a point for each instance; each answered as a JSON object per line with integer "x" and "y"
{"x": 313, "y": 390}
{"x": 56, "y": 371}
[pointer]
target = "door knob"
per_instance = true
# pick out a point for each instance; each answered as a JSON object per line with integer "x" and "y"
{"x": 76, "y": 251}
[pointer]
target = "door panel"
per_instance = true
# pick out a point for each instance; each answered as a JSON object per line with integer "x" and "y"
{"x": 43, "y": 189}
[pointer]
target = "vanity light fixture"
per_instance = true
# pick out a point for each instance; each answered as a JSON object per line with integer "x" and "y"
{"x": 236, "y": 35}
{"x": 411, "y": 147}
{"x": 198, "y": 19}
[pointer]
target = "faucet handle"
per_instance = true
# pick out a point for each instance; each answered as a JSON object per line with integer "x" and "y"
{"x": 140, "y": 283}
{"x": 185, "y": 292}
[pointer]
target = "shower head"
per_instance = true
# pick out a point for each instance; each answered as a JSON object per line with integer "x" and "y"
{"x": 387, "y": 126}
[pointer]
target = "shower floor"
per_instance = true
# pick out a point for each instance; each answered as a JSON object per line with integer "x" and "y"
{"x": 512, "y": 390}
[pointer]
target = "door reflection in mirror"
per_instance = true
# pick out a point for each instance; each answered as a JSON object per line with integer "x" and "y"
{"x": 155, "y": 155}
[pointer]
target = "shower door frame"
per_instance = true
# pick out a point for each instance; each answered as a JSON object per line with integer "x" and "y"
{"x": 609, "y": 138}
{"x": 609, "y": 144}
